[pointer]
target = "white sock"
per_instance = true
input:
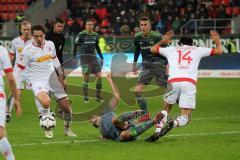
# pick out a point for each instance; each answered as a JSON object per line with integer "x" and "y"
{"x": 41, "y": 109}
{"x": 11, "y": 104}
{"x": 162, "y": 122}
{"x": 180, "y": 121}
{"x": 5, "y": 149}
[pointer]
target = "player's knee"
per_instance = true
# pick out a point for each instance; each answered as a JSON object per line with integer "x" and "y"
{"x": 64, "y": 105}
{"x": 45, "y": 103}
{"x": 182, "y": 120}
{"x": 2, "y": 132}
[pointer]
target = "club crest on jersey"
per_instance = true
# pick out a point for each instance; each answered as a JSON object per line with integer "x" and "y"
{"x": 20, "y": 49}
{"x": 44, "y": 58}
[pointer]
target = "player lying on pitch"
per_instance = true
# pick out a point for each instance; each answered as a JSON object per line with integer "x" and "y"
{"x": 121, "y": 128}
{"x": 183, "y": 69}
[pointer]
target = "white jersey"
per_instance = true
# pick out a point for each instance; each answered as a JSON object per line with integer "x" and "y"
{"x": 5, "y": 64}
{"x": 38, "y": 61}
{"x": 17, "y": 47}
{"x": 184, "y": 61}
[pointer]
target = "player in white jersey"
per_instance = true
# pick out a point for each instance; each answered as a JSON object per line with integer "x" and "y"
{"x": 183, "y": 63}
{"x": 5, "y": 65}
{"x": 39, "y": 58}
{"x": 17, "y": 46}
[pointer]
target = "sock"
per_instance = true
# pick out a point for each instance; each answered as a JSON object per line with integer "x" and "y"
{"x": 10, "y": 103}
{"x": 85, "y": 89}
{"x": 128, "y": 116}
{"x": 162, "y": 122}
{"x": 98, "y": 88}
{"x": 45, "y": 112}
{"x": 141, "y": 102}
{"x": 140, "y": 128}
{"x": 67, "y": 120}
{"x": 5, "y": 149}
{"x": 180, "y": 121}
{"x": 39, "y": 106}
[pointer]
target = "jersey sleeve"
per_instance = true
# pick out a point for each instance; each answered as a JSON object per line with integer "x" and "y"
{"x": 5, "y": 60}
{"x": 136, "y": 50}
{"x": 204, "y": 52}
{"x": 13, "y": 48}
{"x": 24, "y": 59}
{"x": 164, "y": 51}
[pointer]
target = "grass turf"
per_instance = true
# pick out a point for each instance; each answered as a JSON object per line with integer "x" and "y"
{"x": 213, "y": 133}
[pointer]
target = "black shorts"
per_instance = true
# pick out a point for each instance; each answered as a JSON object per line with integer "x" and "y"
{"x": 90, "y": 67}
{"x": 146, "y": 76}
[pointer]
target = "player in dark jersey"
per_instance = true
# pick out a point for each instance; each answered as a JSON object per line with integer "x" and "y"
{"x": 87, "y": 40}
{"x": 121, "y": 128}
{"x": 152, "y": 65}
{"x": 57, "y": 37}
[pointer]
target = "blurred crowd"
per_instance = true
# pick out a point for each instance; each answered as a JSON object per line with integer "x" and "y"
{"x": 120, "y": 17}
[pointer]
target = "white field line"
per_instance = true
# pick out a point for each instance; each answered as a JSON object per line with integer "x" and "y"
{"x": 220, "y": 117}
{"x": 97, "y": 140}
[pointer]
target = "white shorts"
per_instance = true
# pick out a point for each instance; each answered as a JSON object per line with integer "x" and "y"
{"x": 57, "y": 89}
{"x": 185, "y": 92}
{"x": 20, "y": 81}
{"x": 3, "y": 109}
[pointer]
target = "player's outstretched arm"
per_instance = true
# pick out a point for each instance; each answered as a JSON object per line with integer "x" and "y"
{"x": 116, "y": 95}
{"x": 216, "y": 39}
{"x": 12, "y": 84}
{"x": 165, "y": 40}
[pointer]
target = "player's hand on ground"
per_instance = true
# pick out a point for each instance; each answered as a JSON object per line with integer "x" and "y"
{"x": 215, "y": 37}
{"x": 167, "y": 37}
{"x": 18, "y": 108}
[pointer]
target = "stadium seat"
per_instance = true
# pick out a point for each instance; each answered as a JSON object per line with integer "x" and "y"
{"x": 217, "y": 2}
{"x": 236, "y": 10}
{"x": 228, "y": 11}
{"x": 226, "y": 2}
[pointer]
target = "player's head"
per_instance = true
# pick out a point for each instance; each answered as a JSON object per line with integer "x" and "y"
{"x": 89, "y": 25}
{"x": 38, "y": 33}
{"x": 95, "y": 120}
{"x": 184, "y": 40}
{"x": 145, "y": 25}
{"x": 58, "y": 25}
{"x": 25, "y": 29}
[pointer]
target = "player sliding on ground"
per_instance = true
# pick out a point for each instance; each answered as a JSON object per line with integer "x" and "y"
{"x": 183, "y": 69}
{"x": 39, "y": 58}
{"x": 121, "y": 128}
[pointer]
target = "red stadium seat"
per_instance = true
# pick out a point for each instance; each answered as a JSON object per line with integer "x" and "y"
{"x": 228, "y": 11}
{"x": 236, "y": 10}
{"x": 226, "y": 2}
{"x": 217, "y": 2}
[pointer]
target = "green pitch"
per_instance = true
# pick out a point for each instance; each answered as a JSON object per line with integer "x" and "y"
{"x": 214, "y": 132}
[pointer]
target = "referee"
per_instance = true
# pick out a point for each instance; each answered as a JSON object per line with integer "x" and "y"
{"x": 57, "y": 37}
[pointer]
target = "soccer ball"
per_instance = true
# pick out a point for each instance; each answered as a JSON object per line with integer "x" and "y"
{"x": 47, "y": 122}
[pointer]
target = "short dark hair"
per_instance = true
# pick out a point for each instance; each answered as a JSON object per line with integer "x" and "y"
{"x": 39, "y": 27}
{"x": 144, "y": 18}
{"x": 59, "y": 20}
{"x": 88, "y": 20}
{"x": 184, "y": 40}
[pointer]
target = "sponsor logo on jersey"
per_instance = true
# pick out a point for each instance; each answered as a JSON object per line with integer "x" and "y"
{"x": 47, "y": 57}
